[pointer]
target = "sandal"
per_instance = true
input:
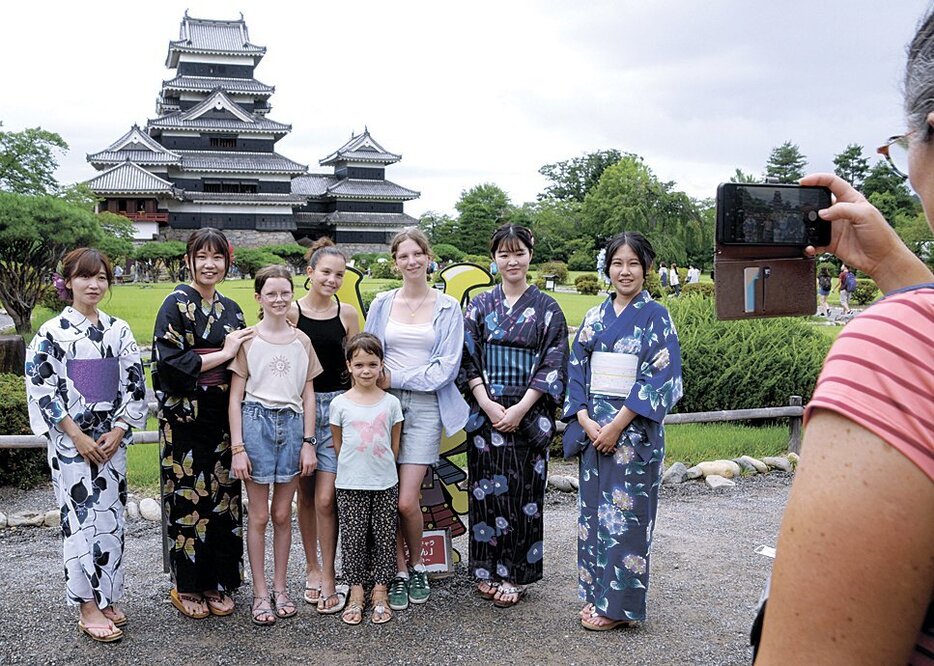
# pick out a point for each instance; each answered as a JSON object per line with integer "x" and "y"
{"x": 262, "y": 612}
{"x": 381, "y": 611}
{"x": 353, "y": 614}
{"x": 116, "y": 616}
{"x": 487, "y": 589}
{"x": 507, "y": 589}
{"x": 113, "y": 634}
{"x": 285, "y": 607}
{"x": 312, "y": 594}
{"x": 589, "y": 614}
{"x": 218, "y": 603}
{"x": 340, "y": 594}
{"x": 179, "y": 598}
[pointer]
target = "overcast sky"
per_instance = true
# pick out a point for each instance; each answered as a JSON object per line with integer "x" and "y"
{"x": 474, "y": 92}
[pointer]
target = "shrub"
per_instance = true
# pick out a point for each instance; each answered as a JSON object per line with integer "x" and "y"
{"x": 478, "y": 259}
{"x": 251, "y": 259}
{"x": 558, "y": 268}
{"x": 540, "y": 283}
{"x": 367, "y": 296}
{"x": 582, "y": 261}
{"x": 363, "y": 260}
{"x": 866, "y": 291}
{"x": 23, "y": 468}
{"x": 587, "y": 284}
{"x": 705, "y": 289}
{"x": 653, "y": 284}
{"x": 382, "y": 270}
{"x": 447, "y": 252}
{"x": 744, "y": 364}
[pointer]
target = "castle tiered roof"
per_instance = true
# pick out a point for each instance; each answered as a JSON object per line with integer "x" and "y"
{"x": 206, "y": 84}
{"x": 362, "y": 148}
{"x": 130, "y": 178}
{"x": 136, "y": 146}
{"x": 219, "y": 113}
{"x": 238, "y": 161}
{"x": 326, "y": 185}
{"x": 213, "y": 37}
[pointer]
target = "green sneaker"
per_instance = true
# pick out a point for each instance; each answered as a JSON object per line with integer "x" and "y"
{"x": 399, "y": 593}
{"x": 419, "y": 590}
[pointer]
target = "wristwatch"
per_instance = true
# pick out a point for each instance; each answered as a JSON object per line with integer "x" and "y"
{"x": 310, "y": 440}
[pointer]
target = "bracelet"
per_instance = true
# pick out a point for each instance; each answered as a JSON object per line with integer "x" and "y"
{"x": 237, "y": 448}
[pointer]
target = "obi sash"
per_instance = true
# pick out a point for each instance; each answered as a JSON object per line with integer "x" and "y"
{"x": 96, "y": 379}
{"x": 508, "y": 369}
{"x": 612, "y": 373}
{"x": 215, "y": 376}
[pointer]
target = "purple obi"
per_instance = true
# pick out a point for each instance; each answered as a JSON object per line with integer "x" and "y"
{"x": 96, "y": 379}
{"x": 214, "y": 376}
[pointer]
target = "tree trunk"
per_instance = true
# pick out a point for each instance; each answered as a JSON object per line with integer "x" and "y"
{"x": 22, "y": 318}
{"x": 12, "y": 354}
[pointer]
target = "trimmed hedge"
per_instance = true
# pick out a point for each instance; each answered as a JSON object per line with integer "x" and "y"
{"x": 23, "y": 468}
{"x": 558, "y": 268}
{"x": 705, "y": 289}
{"x": 587, "y": 284}
{"x": 866, "y": 291}
{"x": 744, "y": 364}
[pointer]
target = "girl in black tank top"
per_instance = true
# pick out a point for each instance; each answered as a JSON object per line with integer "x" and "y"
{"x": 317, "y": 517}
{"x": 327, "y": 337}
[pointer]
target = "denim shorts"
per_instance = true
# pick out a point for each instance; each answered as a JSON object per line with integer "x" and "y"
{"x": 273, "y": 442}
{"x": 327, "y": 457}
{"x": 421, "y": 427}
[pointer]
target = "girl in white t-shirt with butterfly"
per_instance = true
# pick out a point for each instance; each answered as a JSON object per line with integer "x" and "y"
{"x": 366, "y": 423}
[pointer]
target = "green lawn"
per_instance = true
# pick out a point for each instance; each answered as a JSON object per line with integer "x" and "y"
{"x": 687, "y": 443}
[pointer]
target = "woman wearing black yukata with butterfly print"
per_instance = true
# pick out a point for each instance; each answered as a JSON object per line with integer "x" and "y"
{"x": 197, "y": 332}
{"x": 86, "y": 391}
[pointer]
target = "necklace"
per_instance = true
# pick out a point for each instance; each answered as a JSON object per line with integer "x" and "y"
{"x": 414, "y": 311}
{"x": 324, "y": 309}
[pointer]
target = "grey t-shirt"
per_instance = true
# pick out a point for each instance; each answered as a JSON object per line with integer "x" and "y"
{"x": 366, "y": 461}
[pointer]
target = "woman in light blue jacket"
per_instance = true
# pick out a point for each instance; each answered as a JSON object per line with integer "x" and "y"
{"x": 422, "y": 331}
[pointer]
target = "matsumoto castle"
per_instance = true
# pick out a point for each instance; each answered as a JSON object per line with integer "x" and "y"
{"x": 209, "y": 159}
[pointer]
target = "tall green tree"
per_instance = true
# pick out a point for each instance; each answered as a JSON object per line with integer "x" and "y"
{"x": 554, "y": 223}
{"x": 572, "y": 179}
{"x": 630, "y": 198}
{"x": 786, "y": 163}
{"x": 35, "y": 233}
{"x": 886, "y": 190}
{"x": 740, "y": 176}
{"x": 439, "y": 227}
{"x": 481, "y": 210}
{"x": 851, "y": 165}
{"x": 28, "y": 160}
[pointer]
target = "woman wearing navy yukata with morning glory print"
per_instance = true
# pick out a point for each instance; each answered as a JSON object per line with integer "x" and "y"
{"x": 623, "y": 378}
{"x": 514, "y": 368}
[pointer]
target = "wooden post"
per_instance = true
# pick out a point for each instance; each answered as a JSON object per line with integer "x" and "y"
{"x": 795, "y": 426}
{"x": 12, "y": 354}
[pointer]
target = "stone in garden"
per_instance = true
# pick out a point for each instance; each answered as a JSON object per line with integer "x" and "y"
{"x": 760, "y": 466}
{"x": 132, "y": 510}
{"x": 715, "y": 481}
{"x": 724, "y": 468}
{"x": 26, "y": 518}
{"x": 746, "y": 467}
{"x": 2, "y": 520}
{"x": 53, "y": 518}
{"x": 575, "y": 484}
{"x": 794, "y": 459}
{"x": 776, "y": 462}
{"x": 559, "y": 482}
{"x": 150, "y": 509}
{"x": 693, "y": 473}
{"x": 675, "y": 474}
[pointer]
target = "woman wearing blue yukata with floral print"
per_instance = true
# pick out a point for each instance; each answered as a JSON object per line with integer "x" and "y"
{"x": 623, "y": 378}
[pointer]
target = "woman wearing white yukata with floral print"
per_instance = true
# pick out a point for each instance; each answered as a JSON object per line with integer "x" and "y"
{"x": 86, "y": 392}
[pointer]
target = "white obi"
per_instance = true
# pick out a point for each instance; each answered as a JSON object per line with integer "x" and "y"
{"x": 612, "y": 373}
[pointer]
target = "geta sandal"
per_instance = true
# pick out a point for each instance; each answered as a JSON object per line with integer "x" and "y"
{"x": 589, "y": 614}
{"x": 111, "y": 637}
{"x": 518, "y": 591}
{"x": 178, "y": 599}
{"x": 217, "y": 605}
{"x": 491, "y": 587}
{"x": 117, "y": 620}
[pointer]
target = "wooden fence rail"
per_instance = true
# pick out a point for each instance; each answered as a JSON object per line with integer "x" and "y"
{"x": 793, "y": 412}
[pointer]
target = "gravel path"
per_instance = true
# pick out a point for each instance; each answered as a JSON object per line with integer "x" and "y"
{"x": 705, "y": 584}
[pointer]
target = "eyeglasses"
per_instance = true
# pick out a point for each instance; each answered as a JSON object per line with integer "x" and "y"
{"x": 895, "y": 152}
{"x": 275, "y": 296}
